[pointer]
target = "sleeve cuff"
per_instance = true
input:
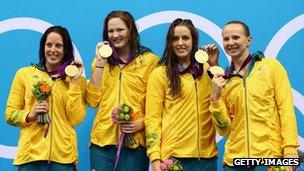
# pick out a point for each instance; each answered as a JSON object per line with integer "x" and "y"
{"x": 215, "y": 105}
{"x": 23, "y": 119}
{"x": 290, "y": 151}
{"x": 93, "y": 88}
{"x": 154, "y": 156}
{"x": 74, "y": 87}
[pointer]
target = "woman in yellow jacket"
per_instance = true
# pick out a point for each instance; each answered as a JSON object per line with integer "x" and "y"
{"x": 178, "y": 122}
{"x": 252, "y": 104}
{"x": 48, "y": 143}
{"x": 119, "y": 79}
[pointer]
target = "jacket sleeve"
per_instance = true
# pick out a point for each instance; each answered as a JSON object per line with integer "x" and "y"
{"x": 284, "y": 100}
{"x": 76, "y": 108}
{"x": 93, "y": 93}
{"x": 153, "y": 61}
{"x": 154, "y": 109}
{"x": 220, "y": 117}
{"x": 16, "y": 113}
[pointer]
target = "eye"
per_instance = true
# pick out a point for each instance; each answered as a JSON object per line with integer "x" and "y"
{"x": 120, "y": 29}
{"x": 111, "y": 31}
{"x": 48, "y": 45}
{"x": 225, "y": 39}
{"x": 235, "y": 37}
{"x": 185, "y": 37}
{"x": 59, "y": 45}
{"x": 175, "y": 38}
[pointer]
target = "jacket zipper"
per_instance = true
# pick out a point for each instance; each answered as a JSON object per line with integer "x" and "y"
{"x": 198, "y": 120}
{"x": 119, "y": 91}
{"x": 119, "y": 101}
{"x": 247, "y": 117}
{"x": 50, "y": 126}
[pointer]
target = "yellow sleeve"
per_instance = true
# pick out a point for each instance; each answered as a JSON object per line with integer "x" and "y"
{"x": 93, "y": 93}
{"x": 76, "y": 108}
{"x": 220, "y": 117}
{"x": 154, "y": 109}
{"x": 284, "y": 100}
{"x": 15, "y": 113}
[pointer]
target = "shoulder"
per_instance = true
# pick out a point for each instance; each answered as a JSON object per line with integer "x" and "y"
{"x": 270, "y": 61}
{"x": 25, "y": 70}
{"x": 150, "y": 56}
{"x": 159, "y": 73}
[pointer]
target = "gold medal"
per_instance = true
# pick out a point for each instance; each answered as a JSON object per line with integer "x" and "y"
{"x": 105, "y": 50}
{"x": 201, "y": 56}
{"x": 71, "y": 70}
{"x": 216, "y": 70}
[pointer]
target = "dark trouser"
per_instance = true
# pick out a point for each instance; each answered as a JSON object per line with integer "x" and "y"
{"x": 46, "y": 166}
{"x": 103, "y": 159}
{"x": 202, "y": 164}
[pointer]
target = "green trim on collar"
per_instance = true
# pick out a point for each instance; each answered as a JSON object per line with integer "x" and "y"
{"x": 39, "y": 66}
{"x": 257, "y": 56}
{"x": 141, "y": 51}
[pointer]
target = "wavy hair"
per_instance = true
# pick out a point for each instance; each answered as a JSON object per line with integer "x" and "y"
{"x": 170, "y": 60}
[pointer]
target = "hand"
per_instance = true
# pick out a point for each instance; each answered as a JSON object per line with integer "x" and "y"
{"x": 156, "y": 165}
{"x": 40, "y": 107}
{"x": 79, "y": 65}
{"x": 213, "y": 54}
{"x": 100, "y": 60}
{"x": 218, "y": 82}
{"x": 131, "y": 126}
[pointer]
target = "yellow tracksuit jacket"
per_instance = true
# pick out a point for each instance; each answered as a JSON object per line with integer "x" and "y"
{"x": 179, "y": 127}
{"x": 256, "y": 113}
{"x": 66, "y": 110}
{"x": 120, "y": 85}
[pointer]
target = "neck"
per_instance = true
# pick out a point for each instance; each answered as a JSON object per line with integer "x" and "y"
{"x": 238, "y": 62}
{"x": 184, "y": 61}
{"x": 124, "y": 53}
{"x": 50, "y": 68}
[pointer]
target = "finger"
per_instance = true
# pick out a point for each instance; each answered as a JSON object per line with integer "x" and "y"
{"x": 127, "y": 130}
{"x": 217, "y": 76}
{"x": 213, "y": 46}
{"x": 123, "y": 122}
{"x": 207, "y": 47}
{"x": 41, "y": 108}
{"x": 77, "y": 63}
{"x": 99, "y": 44}
{"x": 127, "y": 126}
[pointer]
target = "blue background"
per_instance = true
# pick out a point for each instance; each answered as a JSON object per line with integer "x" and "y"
{"x": 84, "y": 20}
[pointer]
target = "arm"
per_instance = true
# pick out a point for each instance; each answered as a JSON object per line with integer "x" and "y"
{"x": 154, "y": 109}
{"x": 220, "y": 115}
{"x": 76, "y": 108}
{"x": 93, "y": 91}
{"x": 16, "y": 113}
{"x": 284, "y": 100}
{"x": 75, "y": 97}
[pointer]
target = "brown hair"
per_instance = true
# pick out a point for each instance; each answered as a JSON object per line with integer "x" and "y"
{"x": 170, "y": 60}
{"x": 128, "y": 19}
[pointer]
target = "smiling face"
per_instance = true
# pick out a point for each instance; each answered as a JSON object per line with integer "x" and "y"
{"x": 118, "y": 33}
{"x": 182, "y": 42}
{"x": 53, "y": 51}
{"x": 235, "y": 41}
